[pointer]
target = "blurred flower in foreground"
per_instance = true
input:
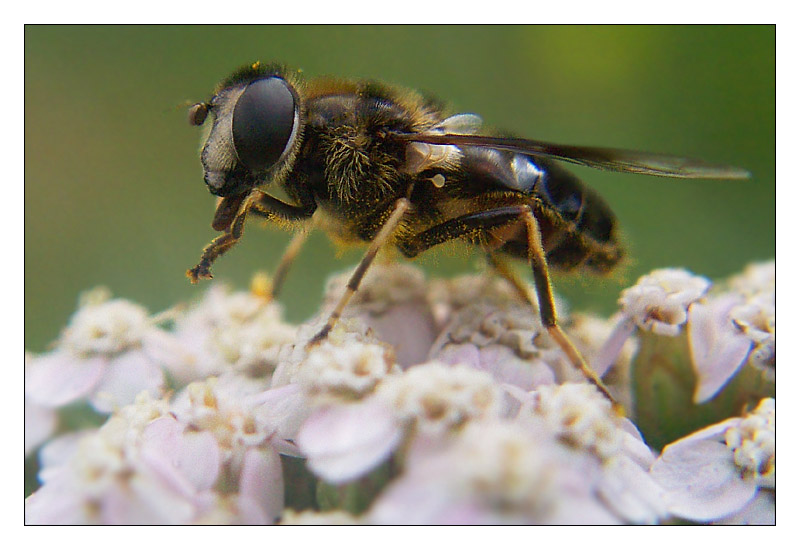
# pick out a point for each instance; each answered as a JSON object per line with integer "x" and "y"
{"x": 110, "y": 351}
{"x": 40, "y": 420}
{"x": 723, "y": 472}
{"x": 206, "y": 463}
{"x": 140, "y": 467}
{"x": 429, "y": 402}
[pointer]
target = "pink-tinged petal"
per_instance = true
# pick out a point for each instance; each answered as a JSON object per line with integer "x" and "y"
{"x": 282, "y": 409}
{"x": 58, "y": 452}
{"x": 261, "y": 487}
{"x": 499, "y": 361}
{"x": 715, "y": 432}
{"x": 408, "y": 327}
{"x": 717, "y": 347}
{"x": 145, "y": 501}
{"x": 126, "y": 377}
{"x": 629, "y": 491}
{"x": 343, "y": 442}
{"x": 185, "y": 462}
{"x": 455, "y": 354}
{"x": 58, "y": 502}
{"x": 59, "y": 378}
{"x": 573, "y": 510}
{"x": 200, "y": 459}
{"x": 40, "y": 422}
{"x": 412, "y": 501}
{"x": 612, "y": 347}
{"x": 286, "y": 448}
{"x": 160, "y": 454}
{"x": 634, "y": 446}
{"x": 760, "y": 511}
{"x": 162, "y": 436}
{"x": 701, "y": 481}
{"x": 171, "y": 354}
{"x": 465, "y": 513}
{"x": 505, "y": 366}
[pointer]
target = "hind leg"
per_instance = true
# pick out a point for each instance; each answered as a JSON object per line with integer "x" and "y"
{"x": 472, "y": 225}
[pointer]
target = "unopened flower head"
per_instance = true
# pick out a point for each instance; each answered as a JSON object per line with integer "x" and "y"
{"x": 581, "y": 417}
{"x": 660, "y": 300}
{"x": 753, "y": 444}
{"x": 381, "y": 287}
{"x": 450, "y": 295}
{"x": 516, "y": 327}
{"x": 441, "y": 397}
{"x": 106, "y": 327}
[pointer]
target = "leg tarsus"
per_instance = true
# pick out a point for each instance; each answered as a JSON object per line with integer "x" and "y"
{"x": 215, "y": 249}
{"x": 255, "y": 201}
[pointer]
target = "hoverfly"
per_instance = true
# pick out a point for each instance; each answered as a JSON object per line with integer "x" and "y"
{"x": 384, "y": 166}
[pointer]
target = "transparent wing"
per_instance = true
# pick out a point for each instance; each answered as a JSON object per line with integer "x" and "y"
{"x": 604, "y": 158}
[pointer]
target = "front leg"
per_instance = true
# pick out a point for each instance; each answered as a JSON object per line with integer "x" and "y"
{"x": 256, "y": 202}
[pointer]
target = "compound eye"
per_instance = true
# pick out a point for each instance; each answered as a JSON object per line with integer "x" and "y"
{"x": 263, "y": 122}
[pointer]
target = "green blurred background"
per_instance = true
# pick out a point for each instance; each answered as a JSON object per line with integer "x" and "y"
{"x": 114, "y": 193}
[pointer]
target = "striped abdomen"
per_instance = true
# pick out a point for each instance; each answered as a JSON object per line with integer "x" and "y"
{"x": 578, "y": 228}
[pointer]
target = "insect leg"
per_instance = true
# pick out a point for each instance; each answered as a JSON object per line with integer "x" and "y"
{"x": 502, "y": 269}
{"x": 287, "y": 260}
{"x": 256, "y": 202}
{"x": 274, "y": 209}
{"x": 401, "y": 206}
{"x": 473, "y": 225}
{"x": 547, "y": 310}
{"x": 221, "y": 244}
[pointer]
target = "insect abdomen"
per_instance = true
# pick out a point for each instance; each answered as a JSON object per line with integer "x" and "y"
{"x": 582, "y": 228}
{"x": 578, "y": 228}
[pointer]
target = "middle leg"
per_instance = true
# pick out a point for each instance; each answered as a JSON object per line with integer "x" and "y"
{"x": 401, "y": 206}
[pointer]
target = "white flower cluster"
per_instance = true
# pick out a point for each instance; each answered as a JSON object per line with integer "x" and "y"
{"x": 145, "y": 466}
{"x": 450, "y": 392}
